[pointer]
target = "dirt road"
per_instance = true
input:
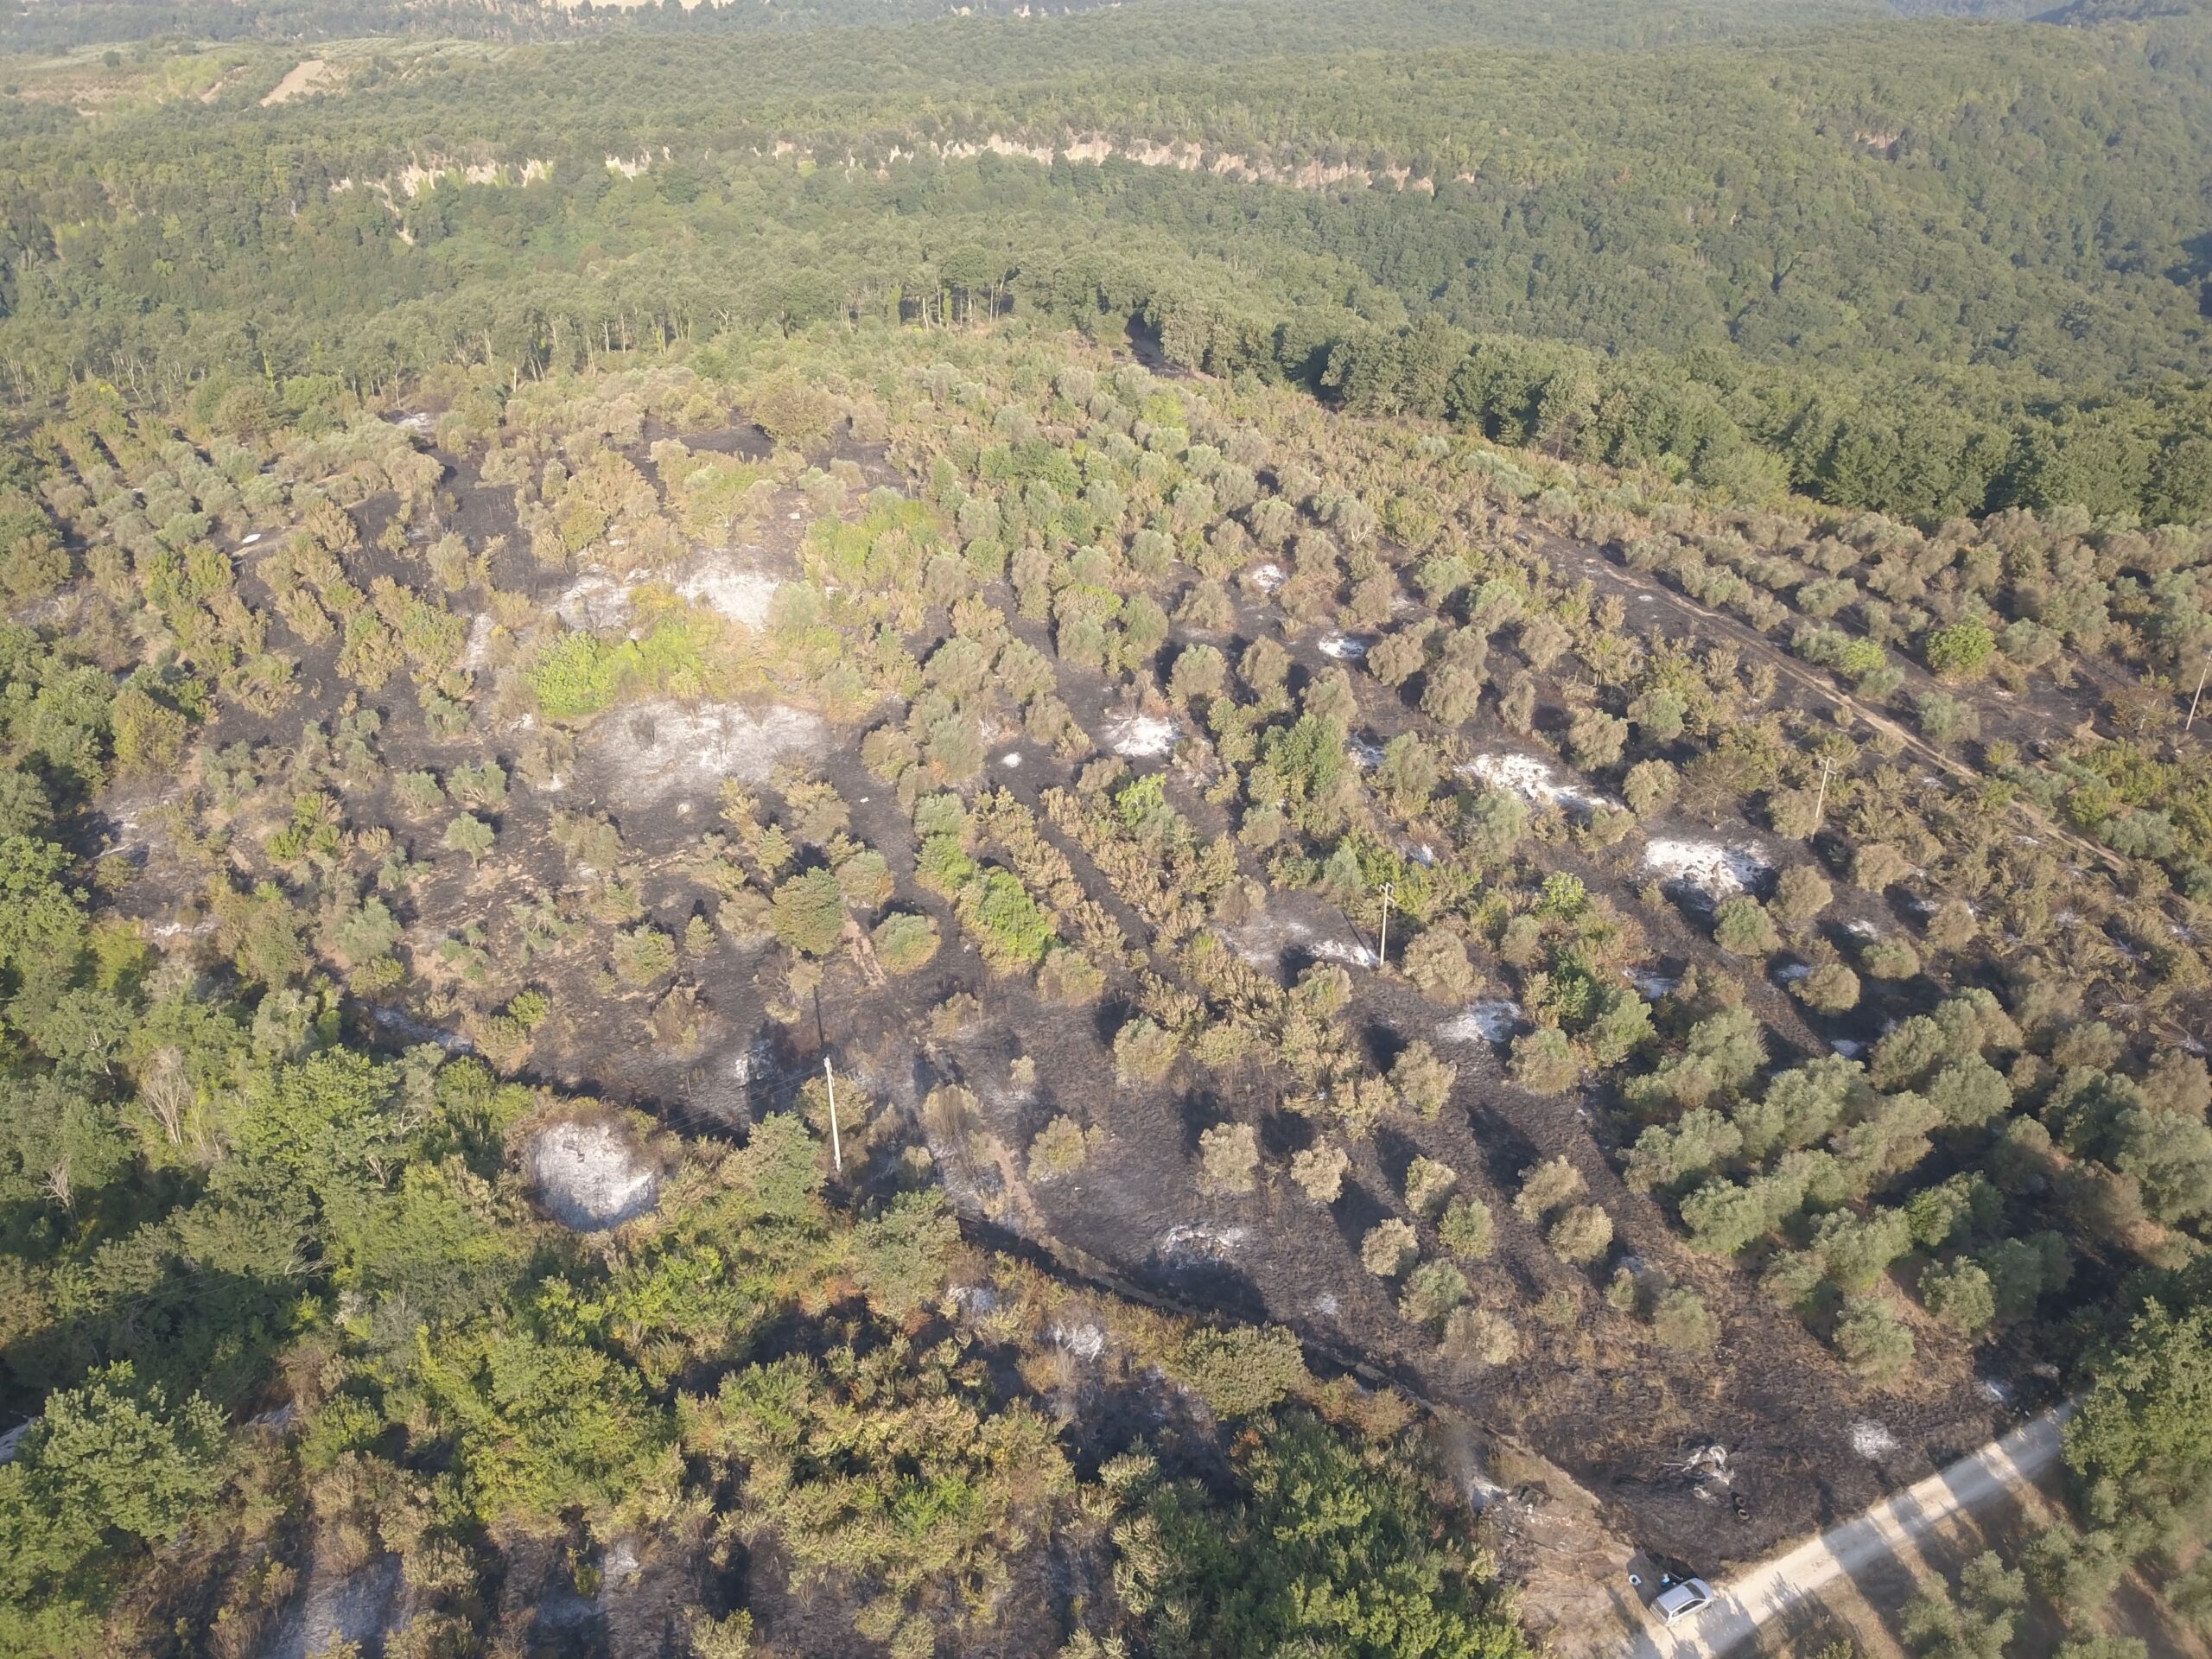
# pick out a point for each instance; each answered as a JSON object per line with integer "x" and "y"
{"x": 1750, "y": 1597}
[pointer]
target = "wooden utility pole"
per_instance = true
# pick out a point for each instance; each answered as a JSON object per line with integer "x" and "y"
{"x": 1382, "y": 941}
{"x": 837, "y": 1151}
{"x": 2199, "y": 697}
{"x": 1820, "y": 801}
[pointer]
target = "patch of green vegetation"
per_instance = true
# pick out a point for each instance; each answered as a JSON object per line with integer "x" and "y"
{"x": 578, "y": 675}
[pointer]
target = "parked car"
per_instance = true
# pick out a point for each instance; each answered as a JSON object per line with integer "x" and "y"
{"x": 1679, "y": 1601}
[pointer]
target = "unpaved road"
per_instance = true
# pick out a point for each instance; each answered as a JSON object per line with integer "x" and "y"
{"x": 1750, "y": 1597}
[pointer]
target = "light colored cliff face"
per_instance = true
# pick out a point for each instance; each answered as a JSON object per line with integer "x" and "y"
{"x": 1094, "y": 149}
{"x": 422, "y": 173}
{"x": 1182, "y": 155}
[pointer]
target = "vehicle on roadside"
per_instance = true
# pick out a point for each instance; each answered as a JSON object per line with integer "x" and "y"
{"x": 1679, "y": 1601}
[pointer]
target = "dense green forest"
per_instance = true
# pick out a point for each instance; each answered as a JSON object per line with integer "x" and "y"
{"x": 1587, "y": 23}
{"x": 1929, "y": 269}
{"x": 100, "y": 23}
{"x": 1097, "y": 833}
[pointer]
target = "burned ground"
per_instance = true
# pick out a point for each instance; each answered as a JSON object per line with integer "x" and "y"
{"x": 588, "y": 720}
{"x": 1606, "y": 1405}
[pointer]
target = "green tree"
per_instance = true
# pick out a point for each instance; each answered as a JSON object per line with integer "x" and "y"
{"x": 2146, "y": 1425}
{"x": 906, "y": 941}
{"x": 1545, "y": 1063}
{"x": 900, "y": 1258}
{"x": 1229, "y": 1158}
{"x": 1243, "y": 1370}
{"x": 1873, "y": 1342}
{"x": 1467, "y": 1230}
{"x": 1960, "y": 652}
{"x": 808, "y": 912}
{"x": 1582, "y": 1234}
{"x": 1742, "y": 927}
{"x": 1329, "y": 1548}
{"x": 1960, "y": 1294}
{"x": 109, "y": 1466}
{"x": 542, "y": 1425}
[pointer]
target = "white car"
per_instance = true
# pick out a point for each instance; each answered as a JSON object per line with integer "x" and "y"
{"x": 1682, "y": 1599}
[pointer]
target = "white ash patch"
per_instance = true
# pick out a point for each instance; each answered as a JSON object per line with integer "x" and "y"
{"x": 1871, "y": 1439}
{"x": 1140, "y": 737}
{"x": 1351, "y": 955}
{"x": 1366, "y": 752}
{"x": 1714, "y": 868}
{"x": 1491, "y": 1019}
{"x": 662, "y": 748}
{"x": 620, "y": 1564}
{"x": 563, "y": 1609}
{"x": 1011, "y": 760}
{"x": 415, "y": 1031}
{"x": 1532, "y": 780}
{"x": 12, "y": 1441}
{"x": 729, "y": 1086}
{"x": 589, "y": 1176}
{"x": 975, "y": 1300}
{"x": 1651, "y": 982}
{"x": 1268, "y": 577}
{"x": 356, "y": 1607}
{"x": 1263, "y": 939}
{"x": 741, "y": 594}
{"x": 1994, "y": 1391}
{"x": 1845, "y": 1046}
{"x": 1344, "y": 647}
{"x": 1791, "y": 973}
{"x": 477, "y": 651}
{"x": 1083, "y": 1341}
{"x": 415, "y": 420}
{"x": 593, "y": 601}
{"x": 1190, "y": 1241}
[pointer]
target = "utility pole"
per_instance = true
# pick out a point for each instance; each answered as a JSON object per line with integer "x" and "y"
{"x": 1820, "y": 801}
{"x": 2199, "y": 697}
{"x": 837, "y": 1151}
{"x": 1383, "y": 942}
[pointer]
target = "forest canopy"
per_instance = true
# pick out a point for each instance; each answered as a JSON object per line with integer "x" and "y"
{"x": 1929, "y": 267}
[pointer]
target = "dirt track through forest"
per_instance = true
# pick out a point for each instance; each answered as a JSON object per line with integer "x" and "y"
{"x": 1749, "y": 1598}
